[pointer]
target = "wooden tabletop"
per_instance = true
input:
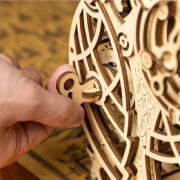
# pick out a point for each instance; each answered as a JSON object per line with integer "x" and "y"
{"x": 16, "y": 172}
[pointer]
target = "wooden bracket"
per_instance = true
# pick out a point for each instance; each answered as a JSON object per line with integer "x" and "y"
{"x": 87, "y": 91}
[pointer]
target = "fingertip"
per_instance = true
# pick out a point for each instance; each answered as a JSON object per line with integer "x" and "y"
{"x": 71, "y": 114}
{"x": 80, "y": 116}
{"x": 51, "y": 86}
{"x": 66, "y": 67}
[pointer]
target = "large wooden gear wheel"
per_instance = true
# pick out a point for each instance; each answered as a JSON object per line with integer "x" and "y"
{"x": 118, "y": 43}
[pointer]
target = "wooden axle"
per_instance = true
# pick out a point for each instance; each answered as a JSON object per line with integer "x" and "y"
{"x": 87, "y": 91}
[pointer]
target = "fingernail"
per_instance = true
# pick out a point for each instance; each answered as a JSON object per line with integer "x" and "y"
{"x": 27, "y": 74}
{"x": 79, "y": 116}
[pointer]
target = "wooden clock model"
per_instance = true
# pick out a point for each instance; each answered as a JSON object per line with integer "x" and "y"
{"x": 127, "y": 57}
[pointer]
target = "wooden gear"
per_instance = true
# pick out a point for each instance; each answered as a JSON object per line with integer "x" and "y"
{"x": 131, "y": 49}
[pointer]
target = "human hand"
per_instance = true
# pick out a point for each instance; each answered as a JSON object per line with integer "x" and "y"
{"x": 28, "y": 112}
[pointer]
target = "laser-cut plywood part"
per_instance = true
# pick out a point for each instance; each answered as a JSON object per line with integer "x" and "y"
{"x": 88, "y": 91}
{"x": 132, "y": 49}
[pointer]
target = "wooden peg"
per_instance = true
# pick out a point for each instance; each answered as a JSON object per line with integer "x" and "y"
{"x": 87, "y": 91}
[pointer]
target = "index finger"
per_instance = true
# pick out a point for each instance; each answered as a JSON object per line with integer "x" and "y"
{"x": 10, "y": 60}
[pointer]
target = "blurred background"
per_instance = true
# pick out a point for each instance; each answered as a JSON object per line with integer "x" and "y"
{"x": 36, "y": 34}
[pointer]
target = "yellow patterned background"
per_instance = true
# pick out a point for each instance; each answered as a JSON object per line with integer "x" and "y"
{"x": 36, "y": 33}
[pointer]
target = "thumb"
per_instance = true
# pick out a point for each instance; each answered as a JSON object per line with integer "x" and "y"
{"x": 57, "y": 110}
